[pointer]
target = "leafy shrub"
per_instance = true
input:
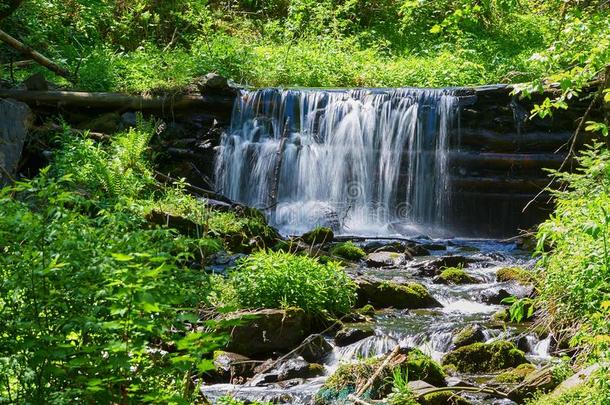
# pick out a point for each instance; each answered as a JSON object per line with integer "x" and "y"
{"x": 277, "y": 279}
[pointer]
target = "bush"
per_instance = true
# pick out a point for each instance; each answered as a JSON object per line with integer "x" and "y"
{"x": 277, "y": 279}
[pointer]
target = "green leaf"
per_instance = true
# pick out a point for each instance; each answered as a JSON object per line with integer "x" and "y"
{"x": 122, "y": 257}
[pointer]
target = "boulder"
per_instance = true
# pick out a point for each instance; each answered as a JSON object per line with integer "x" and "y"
{"x": 348, "y": 251}
{"x": 456, "y": 276}
{"x": 434, "y": 267}
{"x": 385, "y": 259}
{"x": 266, "y": 331}
{"x": 495, "y": 295}
{"x": 15, "y": 120}
{"x": 352, "y": 334}
{"x": 386, "y": 294}
{"x": 318, "y": 235}
{"x": 539, "y": 381}
{"x": 231, "y": 366}
{"x": 298, "y": 368}
{"x": 214, "y": 83}
{"x": 514, "y": 274}
{"x": 485, "y": 357}
{"x": 515, "y": 375}
{"x": 468, "y": 335}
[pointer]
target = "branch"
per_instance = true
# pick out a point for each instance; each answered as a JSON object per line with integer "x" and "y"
{"x": 466, "y": 389}
{"x": 27, "y": 51}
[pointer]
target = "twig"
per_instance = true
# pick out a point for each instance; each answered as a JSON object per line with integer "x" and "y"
{"x": 383, "y": 365}
{"x": 466, "y": 389}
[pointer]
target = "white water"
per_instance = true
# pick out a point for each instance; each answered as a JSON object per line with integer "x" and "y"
{"x": 356, "y": 160}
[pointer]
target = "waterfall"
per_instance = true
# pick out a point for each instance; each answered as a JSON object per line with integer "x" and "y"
{"x": 362, "y": 161}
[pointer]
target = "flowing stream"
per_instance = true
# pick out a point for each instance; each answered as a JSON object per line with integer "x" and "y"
{"x": 374, "y": 163}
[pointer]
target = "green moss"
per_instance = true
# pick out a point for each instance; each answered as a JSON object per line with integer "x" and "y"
{"x": 367, "y": 310}
{"x": 485, "y": 357}
{"x": 388, "y": 294}
{"x": 316, "y": 369}
{"x": 514, "y": 274}
{"x": 468, "y": 335}
{"x": 320, "y": 234}
{"x": 516, "y": 375}
{"x": 501, "y": 316}
{"x": 347, "y": 250}
{"x": 455, "y": 275}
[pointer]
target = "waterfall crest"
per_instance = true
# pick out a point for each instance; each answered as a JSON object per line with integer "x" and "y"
{"x": 362, "y": 161}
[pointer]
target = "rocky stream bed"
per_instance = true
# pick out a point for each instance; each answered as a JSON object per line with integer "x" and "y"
{"x": 410, "y": 306}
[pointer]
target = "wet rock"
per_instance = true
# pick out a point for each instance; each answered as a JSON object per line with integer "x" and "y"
{"x": 318, "y": 235}
{"x": 456, "y": 276}
{"x": 15, "y": 120}
{"x": 348, "y": 377}
{"x": 352, "y": 334}
{"x": 540, "y": 381}
{"x": 314, "y": 349}
{"x": 495, "y": 295}
{"x": 435, "y": 266}
{"x": 417, "y": 250}
{"x": 214, "y": 83}
{"x": 485, "y": 357}
{"x": 298, "y": 368}
{"x": 468, "y": 335}
{"x": 230, "y": 366}
{"x": 501, "y": 316}
{"x": 385, "y": 259}
{"x": 267, "y": 330}
{"x": 515, "y": 375}
{"x": 348, "y": 251}
{"x": 517, "y": 274}
{"x": 434, "y": 246}
{"x": 442, "y": 398}
{"x": 221, "y": 261}
{"x": 386, "y": 294}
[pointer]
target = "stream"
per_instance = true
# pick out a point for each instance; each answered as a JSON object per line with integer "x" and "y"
{"x": 430, "y": 330}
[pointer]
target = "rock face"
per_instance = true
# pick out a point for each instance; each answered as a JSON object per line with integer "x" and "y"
{"x": 385, "y": 259}
{"x": 385, "y": 294}
{"x": 267, "y": 330}
{"x": 485, "y": 357}
{"x": 15, "y": 119}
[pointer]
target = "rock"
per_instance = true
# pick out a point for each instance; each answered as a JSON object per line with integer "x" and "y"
{"x": 468, "y": 335}
{"x": 36, "y": 82}
{"x": 485, "y": 357}
{"x": 318, "y": 235}
{"x": 501, "y": 316}
{"x": 314, "y": 349}
{"x": 442, "y": 398}
{"x": 129, "y": 119}
{"x": 456, "y": 276}
{"x": 213, "y": 82}
{"x": 267, "y": 330}
{"x": 514, "y": 274}
{"x": 434, "y": 246}
{"x": 576, "y": 380}
{"x": 434, "y": 267}
{"x": 221, "y": 261}
{"x": 515, "y": 375}
{"x": 386, "y": 294}
{"x": 539, "y": 381}
{"x": 385, "y": 259}
{"x": 352, "y": 334}
{"x": 298, "y": 368}
{"x": 182, "y": 224}
{"x": 229, "y": 366}
{"x": 495, "y": 295}
{"x": 108, "y": 123}
{"x": 15, "y": 120}
{"x": 348, "y": 251}
{"x": 348, "y": 376}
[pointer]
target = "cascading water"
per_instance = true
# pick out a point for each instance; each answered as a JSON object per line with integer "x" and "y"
{"x": 357, "y": 160}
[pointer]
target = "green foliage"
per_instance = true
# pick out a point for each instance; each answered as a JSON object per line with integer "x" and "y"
{"x": 595, "y": 391}
{"x": 276, "y": 279}
{"x": 348, "y": 250}
{"x": 574, "y": 275}
{"x": 401, "y": 393}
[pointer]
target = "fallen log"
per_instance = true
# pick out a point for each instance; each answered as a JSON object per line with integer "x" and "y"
{"x": 38, "y": 57}
{"x": 118, "y": 101}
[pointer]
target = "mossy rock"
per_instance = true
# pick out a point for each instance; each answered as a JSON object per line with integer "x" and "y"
{"x": 455, "y": 275}
{"x": 349, "y": 376}
{"x": 385, "y": 294}
{"x": 320, "y": 234}
{"x": 515, "y": 375}
{"x": 348, "y": 251}
{"x": 501, "y": 316}
{"x": 514, "y": 274}
{"x": 442, "y": 398}
{"x": 367, "y": 310}
{"x": 485, "y": 357}
{"x": 468, "y": 335}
